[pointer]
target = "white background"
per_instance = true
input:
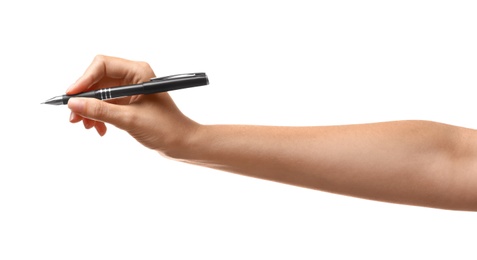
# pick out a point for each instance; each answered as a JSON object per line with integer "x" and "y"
{"x": 66, "y": 193}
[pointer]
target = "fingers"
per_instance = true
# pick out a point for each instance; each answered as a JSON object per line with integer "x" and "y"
{"x": 101, "y": 67}
{"x": 94, "y": 113}
{"x": 88, "y": 123}
{"x": 75, "y": 118}
{"x": 100, "y": 128}
{"x": 105, "y": 71}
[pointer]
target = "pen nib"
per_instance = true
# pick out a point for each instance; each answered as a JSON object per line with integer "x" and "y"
{"x": 54, "y": 101}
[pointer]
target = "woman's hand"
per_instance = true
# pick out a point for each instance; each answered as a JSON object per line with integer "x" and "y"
{"x": 154, "y": 120}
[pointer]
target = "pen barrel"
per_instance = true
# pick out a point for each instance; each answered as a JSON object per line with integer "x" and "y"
{"x": 109, "y": 93}
{"x": 151, "y": 87}
{"x": 117, "y": 92}
{"x": 89, "y": 94}
{"x": 154, "y": 86}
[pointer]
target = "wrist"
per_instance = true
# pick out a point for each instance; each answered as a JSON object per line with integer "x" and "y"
{"x": 197, "y": 146}
{"x": 181, "y": 145}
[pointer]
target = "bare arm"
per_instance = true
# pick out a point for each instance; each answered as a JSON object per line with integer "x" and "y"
{"x": 410, "y": 162}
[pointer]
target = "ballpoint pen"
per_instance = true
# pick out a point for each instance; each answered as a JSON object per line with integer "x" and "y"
{"x": 155, "y": 85}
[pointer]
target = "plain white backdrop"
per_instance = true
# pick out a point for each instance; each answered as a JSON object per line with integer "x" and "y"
{"x": 66, "y": 193}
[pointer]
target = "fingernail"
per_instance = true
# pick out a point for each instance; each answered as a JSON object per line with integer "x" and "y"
{"x": 76, "y": 105}
{"x": 72, "y": 116}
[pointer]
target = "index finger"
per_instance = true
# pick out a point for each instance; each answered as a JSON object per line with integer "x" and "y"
{"x": 102, "y": 66}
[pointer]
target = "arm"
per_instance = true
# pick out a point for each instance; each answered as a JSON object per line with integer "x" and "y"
{"x": 410, "y": 162}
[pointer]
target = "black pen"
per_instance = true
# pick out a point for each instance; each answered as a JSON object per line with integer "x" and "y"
{"x": 155, "y": 85}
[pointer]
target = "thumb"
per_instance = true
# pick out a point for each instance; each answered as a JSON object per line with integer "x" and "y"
{"x": 98, "y": 110}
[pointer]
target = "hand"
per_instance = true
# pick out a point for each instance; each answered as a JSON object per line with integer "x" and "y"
{"x": 154, "y": 120}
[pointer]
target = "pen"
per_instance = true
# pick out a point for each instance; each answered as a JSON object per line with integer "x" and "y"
{"x": 155, "y": 85}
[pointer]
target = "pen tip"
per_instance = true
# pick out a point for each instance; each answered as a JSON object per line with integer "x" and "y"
{"x": 55, "y": 101}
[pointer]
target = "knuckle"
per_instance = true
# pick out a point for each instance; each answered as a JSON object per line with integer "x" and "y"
{"x": 145, "y": 68}
{"x": 144, "y": 65}
{"x": 99, "y": 58}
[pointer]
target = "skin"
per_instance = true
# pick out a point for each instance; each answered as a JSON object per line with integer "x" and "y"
{"x": 414, "y": 162}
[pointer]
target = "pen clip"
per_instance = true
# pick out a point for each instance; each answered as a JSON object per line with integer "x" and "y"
{"x": 177, "y": 76}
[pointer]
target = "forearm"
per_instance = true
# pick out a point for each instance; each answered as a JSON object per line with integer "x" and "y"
{"x": 410, "y": 162}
